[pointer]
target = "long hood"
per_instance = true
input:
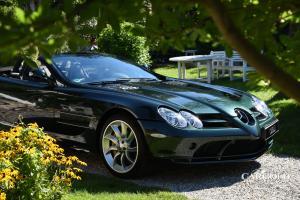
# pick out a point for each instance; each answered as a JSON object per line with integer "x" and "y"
{"x": 195, "y": 96}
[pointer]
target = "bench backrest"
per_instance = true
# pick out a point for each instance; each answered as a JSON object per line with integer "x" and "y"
{"x": 218, "y": 54}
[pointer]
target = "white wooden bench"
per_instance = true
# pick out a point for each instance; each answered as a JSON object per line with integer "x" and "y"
{"x": 237, "y": 63}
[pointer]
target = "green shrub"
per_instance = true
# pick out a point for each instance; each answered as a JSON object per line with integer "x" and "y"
{"x": 33, "y": 166}
{"x": 124, "y": 44}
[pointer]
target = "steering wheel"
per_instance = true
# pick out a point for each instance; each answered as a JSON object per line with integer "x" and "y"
{"x": 77, "y": 72}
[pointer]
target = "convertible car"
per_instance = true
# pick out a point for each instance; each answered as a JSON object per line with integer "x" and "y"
{"x": 132, "y": 115}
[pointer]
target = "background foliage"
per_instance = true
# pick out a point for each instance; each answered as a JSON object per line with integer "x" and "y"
{"x": 271, "y": 27}
{"x": 124, "y": 44}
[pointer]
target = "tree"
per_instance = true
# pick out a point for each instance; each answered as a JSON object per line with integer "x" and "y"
{"x": 286, "y": 82}
{"x": 248, "y": 26}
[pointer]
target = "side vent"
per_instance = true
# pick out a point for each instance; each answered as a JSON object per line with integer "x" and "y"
{"x": 258, "y": 115}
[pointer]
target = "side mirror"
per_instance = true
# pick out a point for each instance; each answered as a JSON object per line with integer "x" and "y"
{"x": 38, "y": 74}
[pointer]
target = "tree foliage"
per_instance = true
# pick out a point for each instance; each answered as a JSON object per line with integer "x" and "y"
{"x": 265, "y": 26}
{"x": 124, "y": 44}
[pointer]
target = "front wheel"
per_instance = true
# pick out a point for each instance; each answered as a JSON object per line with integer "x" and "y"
{"x": 122, "y": 147}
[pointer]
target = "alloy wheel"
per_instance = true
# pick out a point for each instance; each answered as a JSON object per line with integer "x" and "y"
{"x": 120, "y": 146}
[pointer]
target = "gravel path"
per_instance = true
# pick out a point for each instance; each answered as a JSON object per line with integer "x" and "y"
{"x": 270, "y": 177}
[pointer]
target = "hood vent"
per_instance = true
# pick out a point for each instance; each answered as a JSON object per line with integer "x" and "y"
{"x": 244, "y": 116}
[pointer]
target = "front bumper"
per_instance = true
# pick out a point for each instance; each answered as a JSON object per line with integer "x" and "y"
{"x": 207, "y": 145}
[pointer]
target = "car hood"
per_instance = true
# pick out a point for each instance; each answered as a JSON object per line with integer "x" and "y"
{"x": 191, "y": 95}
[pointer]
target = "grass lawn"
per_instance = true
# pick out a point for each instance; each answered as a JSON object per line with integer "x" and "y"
{"x": 99, "y": 187}
{"x": 171, "y": 71}
{"x": 287, "y": 141}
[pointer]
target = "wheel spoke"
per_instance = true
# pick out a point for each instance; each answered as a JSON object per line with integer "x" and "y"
{"x": 115, "y": 158}
{"x": 130, "y": 137}
{"x": 123, "y": 160}
{"x": 116, "y": 130}
{"x": 128, "y": 157}
{"x": 131, "y": 149}
{"x": 111, "y": 138}
{"x": 111, "y": 148}
{"x": 123, "y": 129}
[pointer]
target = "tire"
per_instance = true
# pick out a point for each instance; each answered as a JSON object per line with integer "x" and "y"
{"x": 116, "y": 146}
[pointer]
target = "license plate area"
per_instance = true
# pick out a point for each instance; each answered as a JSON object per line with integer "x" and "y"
{"x": 270, "y": 130}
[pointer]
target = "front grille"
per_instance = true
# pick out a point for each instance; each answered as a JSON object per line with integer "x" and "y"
{"x": 244, "y": 147}
{"x": 229, "y": 148}
{"x": 244, "y": 116}
{"x": 215, "y": 121}
{"x": 210, "y": 149}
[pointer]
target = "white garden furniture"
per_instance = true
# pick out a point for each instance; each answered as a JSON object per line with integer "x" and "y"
{"x": 200, "y": 60}
{"x": 219, "y": 63}
{"x": 237, "y": 63}
{"x": 214, "y": 62}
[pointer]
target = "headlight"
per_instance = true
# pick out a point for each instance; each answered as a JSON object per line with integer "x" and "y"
{"x": 181, "y": 119}
{"x": 192, "y": 119}
{"x": 172, "y": 117}
{"x": 261, "y": 106}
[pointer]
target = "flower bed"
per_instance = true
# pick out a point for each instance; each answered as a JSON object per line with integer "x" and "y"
{"x": 33, "y": 166}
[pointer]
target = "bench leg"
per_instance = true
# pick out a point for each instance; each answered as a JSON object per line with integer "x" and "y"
{"x": 244, "y": 76}
{"x": 231, "y": 74}
{"x": 244, "y": 71}
{"x": 209, "y": 73}
{"x": 184, "y": 71}
{"x": 179, "y": 70}
{"x": 198, "y": 66}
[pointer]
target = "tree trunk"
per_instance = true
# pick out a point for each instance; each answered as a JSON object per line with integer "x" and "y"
{"x": 285, "y": 82}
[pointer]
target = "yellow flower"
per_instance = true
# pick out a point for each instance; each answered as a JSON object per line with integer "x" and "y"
{"x": 56, "y": 179}
{"x": 24, "y": 140}
{"x": 16, "y": 130}
{"x": 32, "y": 150}
{"x": 2, "y": 196}
{"x": 46, "y": 161}
{"x": 33, "y": 125}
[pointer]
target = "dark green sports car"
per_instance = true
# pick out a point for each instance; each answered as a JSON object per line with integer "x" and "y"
{"x": 131, "y": 114}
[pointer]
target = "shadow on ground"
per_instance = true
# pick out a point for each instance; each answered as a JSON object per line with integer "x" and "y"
{"x": 179, "y": 178}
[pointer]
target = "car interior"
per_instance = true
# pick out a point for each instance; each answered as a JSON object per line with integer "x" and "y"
{"x": 24, "y": 72}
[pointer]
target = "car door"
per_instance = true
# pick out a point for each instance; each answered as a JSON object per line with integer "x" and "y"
{"x": 75, "y": 115}
{"x": 24, "y": 100}
{"x": 59, "y": 109}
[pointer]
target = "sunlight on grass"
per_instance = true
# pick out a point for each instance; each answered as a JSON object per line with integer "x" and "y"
{"x": 94, "y": 187}
{"x": 171, "y": 71}
{"x": 287, "y": 110}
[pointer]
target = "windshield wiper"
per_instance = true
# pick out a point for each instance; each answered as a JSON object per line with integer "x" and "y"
{"x": 138, "y": 79}
{"x": 122, "y": 80}
{"x": 107, "y": 82}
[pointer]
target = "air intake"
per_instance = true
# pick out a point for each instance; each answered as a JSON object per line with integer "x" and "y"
{"x": 244, "y": 116}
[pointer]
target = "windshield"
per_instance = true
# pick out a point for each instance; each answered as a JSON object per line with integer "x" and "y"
{"x": 98, "y": 68}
